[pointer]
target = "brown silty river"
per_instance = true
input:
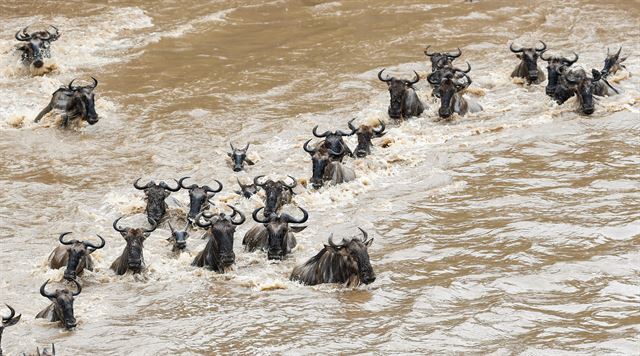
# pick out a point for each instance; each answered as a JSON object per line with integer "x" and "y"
{"x": 514, "y": 231}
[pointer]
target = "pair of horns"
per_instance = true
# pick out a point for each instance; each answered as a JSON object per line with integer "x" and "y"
{"x": 521, "y": 49}
{"x": 24, "y": 36}
{"x": 365, "y": 237}
{"x": 46, "y": 294}
{"x": 377, "y": 132}
{"x": 92, "y": 86}
{"x": 450, "y": 55}
{"x": 86, "y": 243}
{"x": 285, "y": 217}
{"x": 338, "y": 132}
{"x": 312, "y": 151}
{"x": 243, "y": 149}
{"x": 256, "y": 182}
{"x": 205, "y": 187}
{"x": 152, "y": 183}
{"x": 154, "y": 225}
{"x": 408, "y": 82}
{"x": 209, "y": 216}
{"x": 566, "y": 61}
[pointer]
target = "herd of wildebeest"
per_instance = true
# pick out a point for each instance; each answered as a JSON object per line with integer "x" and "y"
{"x": 346, "y": 262}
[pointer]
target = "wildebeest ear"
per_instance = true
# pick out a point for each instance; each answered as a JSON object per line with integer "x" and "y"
{"x": 622, "y": 59}
{"x": 249, "y": 162}
{"x": 519, "y": 56}
{"x": 368, "y": 243}
{"x": 229, "y": 154}
{"x": 297, "y": 228}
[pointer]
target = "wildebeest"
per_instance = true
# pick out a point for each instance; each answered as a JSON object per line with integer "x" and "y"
{"x": 238, "y": 157}
{"x": 334, "y": 141}
{"x": 324, "y": 169}
{"x": 75, "y": 102}
{"x": 178, "y": 238}
{"x": 218, "y": 254}
{"x": 155, "y": 195}
{"x": 553, "y": 66}
{"x": 528, "y": 67}
{"x": 347, "y": 263}
{"x": 365, "y": 133}
{"x": 449, "y": 90}
{"x": 441, "y": 60}
{"x": 198, "y": 196}
{"x": 37, "y": 46}
{"x": 576, "y": 82}
{"x": 132, "y": 257}
{"x": 276, "y": 193}
{"x": 7, "y": 321}
{"x": 404, "y": 100}
{"x": 61, "y": 307}
{"x": 274, "y": 235}
{"x": 246, "y": 190}
{"x": 613, "y": 63}
{"x": 74, "y": 254}
{"x": 45, "y": 351}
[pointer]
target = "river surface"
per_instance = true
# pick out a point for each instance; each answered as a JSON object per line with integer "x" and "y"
{"x": 514, "y": 231}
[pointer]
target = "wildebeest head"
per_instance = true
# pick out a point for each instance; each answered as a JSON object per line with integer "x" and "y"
{"x": 76, "y": 251}
{"x": 576, "y": 82}
{"x": 63, "y": 303}
{"x": 132, "y": 257}
{"x": 398, "y": 91}
{"x": 613, "y": 63}
{"x": 553, "y": 65}
{"x": 46, "y": 351}
{"x": 451, "y": 81}
{"x": 156, "y": 194}
{"x": 277, "y": 229}
{"x": 365, "y": 133}
{"x": 355, "y": 252}
{"x": 239, "y": 156}
{"x": 320, "y": 158}
{"x": 179, "y": 238}
{"x": 7, "y": 321}
{"x": 37, "y": 46}
{"x": 222, "y": 228}
{"x": 198, "y": 196}
{"x": 529, "y": 57}
{"x": 246, "y": 190}
{"x": 275, "y": 192}
{"x": 83, "y": 101}
{"x": 334, "y": 141}
{"x": 441, "y": 60}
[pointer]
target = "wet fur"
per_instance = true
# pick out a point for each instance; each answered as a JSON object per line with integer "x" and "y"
{"x": 328, "y": 266}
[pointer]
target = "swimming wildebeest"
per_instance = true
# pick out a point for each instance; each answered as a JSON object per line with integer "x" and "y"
{"x": 198, "y": 196}
{"x": 45, "y": 351}
{"x": 528, "y": 67}
{"x": 132, "y": 257}
{"x": 449, "y": 90}
{"x": 7, "y": 321}
{"x": 273, "y": 234}
{"x": 74, "y": 254}
{"x": 61, "y": 307}
{"x": 178, "y": 238}
{"x": 334, "y": 141}
{"x": 276, "y": 193}
{"x": 576, "y": 82}
{"x": 246, "y": 190}
{"x": 365, "y": 133}
{"x": 324, "y": 169}
{"x": 155, "y": 195}
{"x": 347, "y": 263}
{"x": 554, "y": 64}
{"x": 613, "y": 63}
{"x": 404, "y": 100}
{"x": 441, "y": 60}
{"x": 218, "y": 254}
{"x": 37, "y": 46}
{"x": 239, "y": 156}
{"x": 75, "y": 102}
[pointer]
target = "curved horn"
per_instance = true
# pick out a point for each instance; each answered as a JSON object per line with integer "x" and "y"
{"x": 61, "y": 239}
{"x": 410, "y": 83}
{"x": 71, "y": 87}
{"x": 331, "y": 243}
{"x": 342, "y": 151}
{"x": 380, "y": 76}
{"x": 89, "y": 244}
{"x": 619, "y": 50}
{"x": 364, "y": 234}
{"x": 181, "y": 183}
{"x": 246, "y": 147}
{"x": 171, "y": 227}
{"x": 232, "y": 148}
{"x": 44, "y": 293}
{"x": 240, "y": 184}
{"x": 544, "y": 47}
{"x": 350, "y": 124}
{"x": 455, "y": 55}
{"x": 426, "y": 52}
{"x": 209, "y": 190}
{"x": 167, "y": 187}
{"x": 23, "y": 35}
{"x": 154, "y": 225}
{"x": 197, "y": 221}
{"x": 290, "y": 186}
{"x": 463, "y": 71}
{"x": 351, "y": 127}
{"x": 515, "y": 50}
{"x": 115, "y": 225}
{"x": 135, "y": 184}
{"x": 381, "y": 130}
{"x": 309, "y": 150}
{"x": 569, "y": 62}
{"x": 432, "y": 79}
{"x": 316, "y": 134}
{"x": 255, "y": 216}
{"x": 542, "y": 56}
{"x": 77, "y": 286}
{"x": 290, "y": 219}
{"x": 236, "y": 211}
{"x": 256, "y": 181}
{"x": 95, "y": 83}
{"x": 11, "y": 315}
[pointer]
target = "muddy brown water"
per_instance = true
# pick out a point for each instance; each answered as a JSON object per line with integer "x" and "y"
{"x": 511, "y": 231}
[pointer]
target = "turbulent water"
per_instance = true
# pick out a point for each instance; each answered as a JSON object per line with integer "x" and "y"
{"x": 510, "y": 231}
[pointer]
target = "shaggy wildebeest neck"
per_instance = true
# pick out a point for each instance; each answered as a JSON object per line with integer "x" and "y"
{"x": 441, "y": 60}
{"x": 528, "y": 67}
{"x": 278, "y": 231}
{"x": 199, "y": 196}
{"x": 78, "y": 254}
{"x": 178, "y": 238}
{"x": 132, "y": 256}
{"x": 218, "y": 253}
{"x": 61, "y": 308}
{"x": 37, "y": 46}
{"x": 239, "y": 157}
{"x": 277, "y": 193}
{"x": 7, "y": 321}
{"x": 404, "y": 101}
{"x": 155, "y": 195}
{"x": 553, "y": 70}
{"x": 365, "y": 133}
